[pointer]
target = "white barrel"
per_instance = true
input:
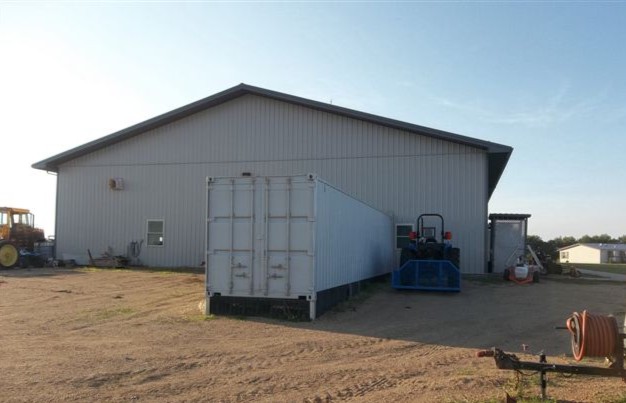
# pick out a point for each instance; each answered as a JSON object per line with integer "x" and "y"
{"x": 521, "y": 272}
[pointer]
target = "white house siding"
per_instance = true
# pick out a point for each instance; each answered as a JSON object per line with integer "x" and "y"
{"x": 581, "y": 254}
{"x": 164, "y": 173}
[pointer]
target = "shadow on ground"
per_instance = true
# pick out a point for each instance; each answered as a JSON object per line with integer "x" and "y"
{"x": 484, "y": 314}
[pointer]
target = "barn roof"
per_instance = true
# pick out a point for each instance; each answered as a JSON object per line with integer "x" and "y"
{"x": 498, "y": 154}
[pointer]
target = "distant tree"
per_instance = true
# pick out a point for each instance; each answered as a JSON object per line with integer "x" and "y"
{"x": 622, "y": 239}
{"x": 542, "y": 248}
{"x": 603, "y": 238}
{"x": 586, "y": 239}
{"x": 563, "y": 241}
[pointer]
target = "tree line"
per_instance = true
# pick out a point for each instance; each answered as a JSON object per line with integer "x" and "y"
{"x": 550, "y": 248}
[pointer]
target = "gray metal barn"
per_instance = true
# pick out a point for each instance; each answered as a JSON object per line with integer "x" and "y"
{"x": 147, "y": 182}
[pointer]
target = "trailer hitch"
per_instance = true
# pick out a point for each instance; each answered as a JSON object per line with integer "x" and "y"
{"x": 509, "y": 361}
{"x": 592, "y": 336}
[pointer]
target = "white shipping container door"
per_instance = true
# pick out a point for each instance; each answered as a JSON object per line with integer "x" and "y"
{"x": 230, "y": 231}
{"x": 260, "y": 236}
{"x": 290, "y": 214}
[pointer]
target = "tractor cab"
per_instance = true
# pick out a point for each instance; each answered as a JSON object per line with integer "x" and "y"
{"x": 11, "y": 217}
{"x": 18, "y": 224}
{"x": 17, "y": 233}
{"x": 430, "y": 242}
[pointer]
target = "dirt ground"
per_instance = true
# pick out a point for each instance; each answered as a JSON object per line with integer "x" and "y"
{"x": 103, "y": 335}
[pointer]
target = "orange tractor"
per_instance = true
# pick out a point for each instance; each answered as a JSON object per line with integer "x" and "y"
{"x": 17, "y": 235}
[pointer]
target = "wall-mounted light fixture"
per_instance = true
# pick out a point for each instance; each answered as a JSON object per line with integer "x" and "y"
{"x": 116, "y": 184}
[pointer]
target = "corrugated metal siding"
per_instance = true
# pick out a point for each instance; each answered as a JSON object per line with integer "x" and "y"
{"x": 164, "y": 171}
{"x": 91, "y": 216}
{"x": 353, "y": 241}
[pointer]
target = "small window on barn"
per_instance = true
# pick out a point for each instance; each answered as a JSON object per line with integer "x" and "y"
{"x": 564, "y": 255}
{"x": 402, "y": 235}
{"x": 156, "y": 231}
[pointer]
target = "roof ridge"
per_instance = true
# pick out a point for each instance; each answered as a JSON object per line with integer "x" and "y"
{"x": 498, "y": 154}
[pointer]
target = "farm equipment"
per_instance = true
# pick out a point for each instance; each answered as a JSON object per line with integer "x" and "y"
{"x": 18, "y": 236}
{"x": 428, "y": 262}
{"x": 592, "y": 336}
{"x": 525, "y": 272}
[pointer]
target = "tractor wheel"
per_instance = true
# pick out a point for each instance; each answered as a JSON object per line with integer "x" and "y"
{"x": 535, "y": 277}
{"x": 506, "y": 275}
{"x": 9, "y": 255}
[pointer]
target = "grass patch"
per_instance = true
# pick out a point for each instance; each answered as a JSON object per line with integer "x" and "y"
{"x": 581, "y": 280}
{"x": 525, "y": 388}
{"x": 171, "y": 270}
{"x": 606, "y": 268}
{"x": 519, "y": 400}
{"x": 160, "y": 270}
{"x": 91, "y": 269}
{"x": 466, "y": 371}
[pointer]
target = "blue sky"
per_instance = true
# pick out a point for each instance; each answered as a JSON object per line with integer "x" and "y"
{"x": 548, "y": 79}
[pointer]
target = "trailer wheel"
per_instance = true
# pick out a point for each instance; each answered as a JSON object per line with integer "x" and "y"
{"x": 505, "y": 276}
{"x": 9, "y": 255}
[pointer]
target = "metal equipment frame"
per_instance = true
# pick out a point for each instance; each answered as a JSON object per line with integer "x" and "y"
{"x": 510, "y": 361}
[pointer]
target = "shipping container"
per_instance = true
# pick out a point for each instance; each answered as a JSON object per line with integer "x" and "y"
{"x": 289, "y": 246}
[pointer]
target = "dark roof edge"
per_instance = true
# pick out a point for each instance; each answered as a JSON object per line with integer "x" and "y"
{"x": 497, "y": 161}
{"x": 52, "y": 163}
{"x": 508, "y": 216}
{"x": 368, "y": 117}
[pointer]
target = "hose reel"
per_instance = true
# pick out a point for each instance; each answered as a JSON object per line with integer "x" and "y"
{"x": 593, "y": 335}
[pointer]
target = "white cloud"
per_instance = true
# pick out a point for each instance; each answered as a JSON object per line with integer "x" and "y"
{"x": 558, "y": 108}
